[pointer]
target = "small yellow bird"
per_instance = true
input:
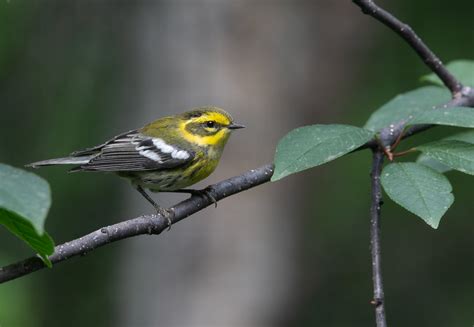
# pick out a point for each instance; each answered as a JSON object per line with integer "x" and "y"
{"x": 166, "y": 155}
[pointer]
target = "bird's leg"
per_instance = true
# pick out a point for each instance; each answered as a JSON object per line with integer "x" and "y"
{"x": 206, "y": 192}
{"x": 161, "y": 211}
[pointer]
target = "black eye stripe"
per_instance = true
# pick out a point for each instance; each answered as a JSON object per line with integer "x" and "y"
{"x": 202, "y": 128}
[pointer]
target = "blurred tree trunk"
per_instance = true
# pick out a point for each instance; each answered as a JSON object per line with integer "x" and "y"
{"x": 273, "y": 66}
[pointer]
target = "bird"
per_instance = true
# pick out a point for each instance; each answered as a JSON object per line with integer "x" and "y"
{"x": 166, "y": 155}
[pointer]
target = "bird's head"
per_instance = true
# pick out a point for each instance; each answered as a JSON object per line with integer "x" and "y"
{"x": 207, "y": 126}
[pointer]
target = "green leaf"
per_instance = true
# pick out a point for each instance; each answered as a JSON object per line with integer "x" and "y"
{"x": 467, "y": 136}
{"x": 456, "y": 116}
{"x": 419, "y": 189}
{"x": 423, "y": 159}
{"x": 432, "y": 163}
{"x": 406, "y": 106}
{"x": 463, "y": 70}
{"x": 455, "y": 154}
{"x": 310, "y": 146}
{"x": 43, "y": 244}
{"x": 25, "y": 199}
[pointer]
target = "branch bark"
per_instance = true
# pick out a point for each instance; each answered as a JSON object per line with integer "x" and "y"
{"x": 378, "y": 300}
{"x": 406, "y": 32}
{"x": 148, "y": 224}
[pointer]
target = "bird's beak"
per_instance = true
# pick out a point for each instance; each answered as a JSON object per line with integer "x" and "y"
{"x": 235, "y": 126}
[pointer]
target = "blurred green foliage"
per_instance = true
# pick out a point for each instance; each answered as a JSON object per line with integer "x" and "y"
{"x": 59, "y": 75}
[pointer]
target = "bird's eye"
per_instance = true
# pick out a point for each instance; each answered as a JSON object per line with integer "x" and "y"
{"x": 211, "y": 124}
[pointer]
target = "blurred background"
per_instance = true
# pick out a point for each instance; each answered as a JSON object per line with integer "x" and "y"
{"x": 292, "y": 253}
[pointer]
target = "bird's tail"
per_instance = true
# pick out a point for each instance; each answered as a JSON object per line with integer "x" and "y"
{"x": 61, "y": 161}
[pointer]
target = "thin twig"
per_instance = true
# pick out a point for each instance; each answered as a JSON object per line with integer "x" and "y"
{"x": 378, "y": 300}
{"x": 150, "y": 224}
{"x": 406, "y": 32}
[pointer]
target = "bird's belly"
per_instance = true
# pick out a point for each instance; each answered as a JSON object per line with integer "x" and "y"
{"x": 157, "y": 181}
{"x": 171, "y": 180}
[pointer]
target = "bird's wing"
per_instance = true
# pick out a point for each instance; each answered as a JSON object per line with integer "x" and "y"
{"x": 134, "y": 151}
{"x": 96, "y": 149}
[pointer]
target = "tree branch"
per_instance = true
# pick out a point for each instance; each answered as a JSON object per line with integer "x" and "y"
{"x": 406, "y": 32}
{"x": 378, "y": 300}
{"x": 148, "y": 224}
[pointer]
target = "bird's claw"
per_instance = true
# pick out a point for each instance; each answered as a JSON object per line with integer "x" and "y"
{"x": 206, "y": 192}
{"x": 166, "y": 214}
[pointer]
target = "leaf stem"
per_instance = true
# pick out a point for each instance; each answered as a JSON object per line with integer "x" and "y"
{"x": 402, "y": 153}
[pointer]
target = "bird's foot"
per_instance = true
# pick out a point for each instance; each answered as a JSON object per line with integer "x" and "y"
{"x": 207, "y": 193}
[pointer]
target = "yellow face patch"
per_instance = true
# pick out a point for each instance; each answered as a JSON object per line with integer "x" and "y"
{"x": 219, "y": 118}
{"x": 216, "y": 133}
{"x": 220, "y": 136}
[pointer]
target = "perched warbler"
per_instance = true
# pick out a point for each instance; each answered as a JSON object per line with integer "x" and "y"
{"x": 166, "y": 155}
